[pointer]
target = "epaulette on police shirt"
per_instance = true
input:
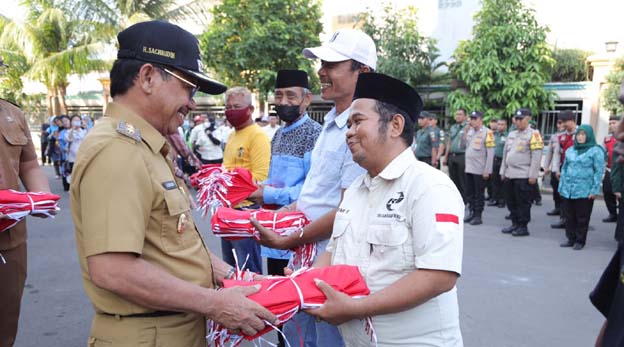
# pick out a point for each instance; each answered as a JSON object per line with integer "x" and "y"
{"x": 129, "y": 130}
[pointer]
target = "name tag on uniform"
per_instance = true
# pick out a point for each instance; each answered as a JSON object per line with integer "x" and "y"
{"x": 169, "y": 185}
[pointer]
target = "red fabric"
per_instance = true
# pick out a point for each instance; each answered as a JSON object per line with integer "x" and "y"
{"x": 17, "y": 205}
{"x": 218, "y": 186}
{"x": 445, "y": 217}
{"x": 565, "y": 141}
{"x": 280, "y": 296}
{"x": 234, "y": 224}
{"x": 609, "y": 142}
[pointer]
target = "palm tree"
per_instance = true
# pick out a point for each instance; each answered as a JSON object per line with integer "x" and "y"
{"x": 54, "y": 44}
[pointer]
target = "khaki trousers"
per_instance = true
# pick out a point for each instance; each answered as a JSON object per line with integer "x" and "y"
{"x": 185, "y": 329}
{"x": 12, "y": 280}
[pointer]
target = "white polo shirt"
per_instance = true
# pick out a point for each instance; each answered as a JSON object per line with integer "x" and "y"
{"x": 408, "y": 217}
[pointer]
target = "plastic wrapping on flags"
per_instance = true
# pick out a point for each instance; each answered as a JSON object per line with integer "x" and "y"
{"x": 15, "y": 206}
{"x": 284, "y": 296}
{"x": 217, "y": 186}
{"x": 234, "y": 224}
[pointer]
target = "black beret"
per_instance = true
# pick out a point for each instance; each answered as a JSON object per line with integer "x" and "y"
{"x": 167, "y": 44}
{"x": 566, "y": 115}
{"x": 522, "y": 112}
{"x": 389, "y": 90}
{"x": 476, "y": 114}
{"x": 291, "y": 78}
{"x": 617, "y": 118}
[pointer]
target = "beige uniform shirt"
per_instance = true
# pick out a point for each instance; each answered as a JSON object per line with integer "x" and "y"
{"x": 522, "y": 155}
{"x": 480, "y": 146}
{"x": 125, "y": 198}
{"x": 16, "y": 147}
{"x": 553, "y": 146}
{"x": 409, "y": 217}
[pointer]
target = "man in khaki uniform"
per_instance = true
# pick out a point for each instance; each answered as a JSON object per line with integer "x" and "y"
{"x": 144, "y": 264}
{"x": 18, "y": 163}
{"x": 479, "y": 162}
{"x": 520, "y": 168}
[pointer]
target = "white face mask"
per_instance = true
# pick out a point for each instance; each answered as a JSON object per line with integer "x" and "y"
{"x": 76, "y": 123}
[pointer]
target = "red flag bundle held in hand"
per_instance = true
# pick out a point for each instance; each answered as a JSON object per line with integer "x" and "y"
{"x": 218, "y": 186}
{"x": 14, "y": 206}
{"x": 234, "y": 224}
{"x": 285, "y": 296}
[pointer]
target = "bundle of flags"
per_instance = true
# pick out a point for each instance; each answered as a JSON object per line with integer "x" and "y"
{"x": 284, "y": 296}
{"x": 217, "y": 186}
{"x": 234, "y": 224}
{"x": 15, "y": 206}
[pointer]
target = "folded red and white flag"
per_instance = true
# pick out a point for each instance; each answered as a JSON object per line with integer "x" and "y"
{"x": 15, "y": 206}
{"x": 284, "y": 296}
{"x": 218, "y": 186}
{"x": 234, "y": 224}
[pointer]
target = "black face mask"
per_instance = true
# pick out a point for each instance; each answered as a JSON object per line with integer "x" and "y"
{"x": 287, "y": 113}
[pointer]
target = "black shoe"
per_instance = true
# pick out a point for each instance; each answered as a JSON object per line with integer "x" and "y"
{"x": 559, "y": 225}
{"x": 476, "y": 220}
{"x": 500, "y": 205}
{"x": 520, "y": 231}
{"x": 492, "y": 203}
{"x": 555, "y": 212}
{"x": 578, "y": 246}
{"x": 509, "y": 229}
{"x": 468, "y": 217}
{"x": 566, "y": 244}
{"x": 610, "y": 219}
{"x": 538, "y": 203}
{"x": 508, "y": 217}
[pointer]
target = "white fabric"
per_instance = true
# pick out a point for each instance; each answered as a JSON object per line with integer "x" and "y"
{"x": 207, "y": 149}
{"x": 346, "y": 44}
{"x": 392, "y": 225}
{"x": 77, "y": 137}
{"x": 270, "y": 131}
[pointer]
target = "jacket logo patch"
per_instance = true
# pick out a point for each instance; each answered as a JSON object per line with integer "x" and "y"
{"x": 393, "y": 201}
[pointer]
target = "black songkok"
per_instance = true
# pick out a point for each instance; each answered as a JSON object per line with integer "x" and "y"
{"x": 389, "y": 90}
{"x": 291, "y": 78}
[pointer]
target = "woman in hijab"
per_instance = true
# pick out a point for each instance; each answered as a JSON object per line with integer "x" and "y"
{"x": 581, "y": 176}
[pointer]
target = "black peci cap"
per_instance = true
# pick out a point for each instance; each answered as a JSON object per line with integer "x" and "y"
{"x": 167, "y": 44}
{"x": 616, "y": 118}
{"x": 291, "y": 78}
{"x": 389, "y": 90}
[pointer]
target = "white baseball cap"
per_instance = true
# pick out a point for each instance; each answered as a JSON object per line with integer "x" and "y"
{"x": 346, "y": 44}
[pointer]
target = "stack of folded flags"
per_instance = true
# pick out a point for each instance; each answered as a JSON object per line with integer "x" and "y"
{"x": 15, "y": 206}
{"x": 234, "y": 224}
{"x": 284, "y": 296}
{"x": 217, "y": 186}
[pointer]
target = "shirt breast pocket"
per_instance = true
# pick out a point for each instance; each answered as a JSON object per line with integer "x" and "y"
{"x": 329, "y": 168}
{"x": 15, "y": 136}
{"x": 337, "y": 238}
{"x": 390, "y": 246}
{"x": 177, "y": 225}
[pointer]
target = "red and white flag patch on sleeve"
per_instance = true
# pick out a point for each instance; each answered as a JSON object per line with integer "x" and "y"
{"x": 446, "y": 218}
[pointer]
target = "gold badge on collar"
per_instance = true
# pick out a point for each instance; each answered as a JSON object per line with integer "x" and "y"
{"x": 182, "y": 223}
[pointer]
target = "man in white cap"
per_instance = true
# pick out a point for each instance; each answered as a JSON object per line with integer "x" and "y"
{"x": 344, "y": 57}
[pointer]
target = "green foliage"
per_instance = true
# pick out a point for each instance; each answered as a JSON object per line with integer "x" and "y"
{"x": 248, "y": 41}
{"x": 506, "y": 63}
{"x": 570, "y": 65}
{"x": 401, "y": 50}
{"x": 615, "y": 78}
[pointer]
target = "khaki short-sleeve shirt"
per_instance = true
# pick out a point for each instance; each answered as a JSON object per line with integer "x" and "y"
{"x": 16, "y": 147}
{"x": 126, "y": 198}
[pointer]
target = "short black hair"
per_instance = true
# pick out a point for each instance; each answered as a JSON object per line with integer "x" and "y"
{"x": 124, "y": 72}
{"x": 356, "y": 65}
{"x": 386, "y": 111}
{"x": 462, "y": 109}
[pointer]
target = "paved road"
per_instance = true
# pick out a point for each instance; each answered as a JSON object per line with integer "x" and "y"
{"x": 513, "y": 291}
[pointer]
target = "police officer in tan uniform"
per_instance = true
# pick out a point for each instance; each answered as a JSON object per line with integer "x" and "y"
{"x": 18, "y": 163}
{"x": 479, "y": 162}
{"x": 144, "y": 264}
{"x": 520, "y": 168}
